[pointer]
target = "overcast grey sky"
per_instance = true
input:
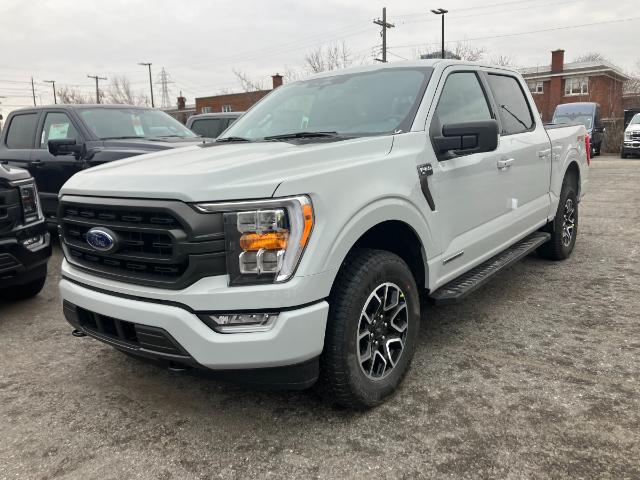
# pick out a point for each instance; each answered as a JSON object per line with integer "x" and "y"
{"x": 199, "y": 42}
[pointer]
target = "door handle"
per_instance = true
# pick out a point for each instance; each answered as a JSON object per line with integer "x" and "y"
{"x": 36, "y": 163}
{"x": 504, "y": 164}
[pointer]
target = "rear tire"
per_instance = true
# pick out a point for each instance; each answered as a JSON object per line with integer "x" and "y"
{"x": 564, "y": 228}
{"x": 374, "y": 318}
{"x": 26, "y": 291}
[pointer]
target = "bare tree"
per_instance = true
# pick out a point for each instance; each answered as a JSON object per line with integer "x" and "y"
{"x": 248, "y": 84}
{"x": 503, "y": 61}
{"x": 329, "y": 57}
{"x": 460, "y": 51}
{"x": 120, "y": 92}
{"x": 591, "y": 57}
{"x": 71, "y": 95}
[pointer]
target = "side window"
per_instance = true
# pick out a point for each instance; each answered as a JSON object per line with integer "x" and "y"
{"x": 513, "y": 107}
{"x": 57, "y": 126}
{"x": 462, "y": 100}
{"x": 22, "y": 129}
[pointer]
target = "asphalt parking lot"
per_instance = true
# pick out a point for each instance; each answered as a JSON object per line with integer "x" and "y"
{"x": 537, "y": 375}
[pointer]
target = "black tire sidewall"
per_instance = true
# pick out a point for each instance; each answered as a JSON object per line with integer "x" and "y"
{"x": 568, "y": 191}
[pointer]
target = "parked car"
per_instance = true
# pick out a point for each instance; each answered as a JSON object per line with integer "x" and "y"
{"x": 586, "y": 113}
{"x": 53, "y": 143}
{"x": 294, "y": 248}
{"x": 631, "y": 142}
{"x": 25, "y": 243}
{"x": 211, "y": 125}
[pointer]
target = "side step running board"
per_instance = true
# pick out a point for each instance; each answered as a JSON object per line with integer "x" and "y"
{"x": 466, "y": 283}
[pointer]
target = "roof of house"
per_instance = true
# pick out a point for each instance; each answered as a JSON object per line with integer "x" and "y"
{"x": 575, "y": 68}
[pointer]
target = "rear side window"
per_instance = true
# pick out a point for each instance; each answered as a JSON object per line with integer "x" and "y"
{"x": 22, "y": 129}
{"x": 209, "y": 127}
{"x": 462, "y": 100}
{"x": 57, "y": 126}
{"x": 513, "y": 108}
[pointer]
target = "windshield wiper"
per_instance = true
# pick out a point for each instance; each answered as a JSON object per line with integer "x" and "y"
{"x": 286, "y": 136}
{"x": 124, "y": 137}
{"x": 232, "y": 139}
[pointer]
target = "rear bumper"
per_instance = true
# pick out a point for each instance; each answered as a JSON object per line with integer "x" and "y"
{"x": 296, "y": 338}
{"x": 20, "y": 265}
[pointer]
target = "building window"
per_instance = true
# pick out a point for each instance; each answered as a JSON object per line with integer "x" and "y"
{"x": 206, "y": 109}
{"x": 536, "y": 87}
{"x": 576, "y": 86}
{"x": 227, "y": 108}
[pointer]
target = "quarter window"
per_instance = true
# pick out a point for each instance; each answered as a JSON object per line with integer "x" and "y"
{"x": 513, "y": 107}
{"x": 576, "y": 86}
{"x": 462, "y": 100}
{"x": 22, "y": 129}
{"x": 57, "y": 126}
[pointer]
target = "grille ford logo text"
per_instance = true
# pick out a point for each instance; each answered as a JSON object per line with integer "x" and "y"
{"x": 102, "y": 239}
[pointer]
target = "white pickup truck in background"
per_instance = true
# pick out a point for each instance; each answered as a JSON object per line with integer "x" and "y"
{"x": 295, "y": 248}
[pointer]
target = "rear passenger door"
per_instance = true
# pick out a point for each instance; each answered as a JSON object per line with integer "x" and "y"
{"x": 524, "y": 156}
{"x": 18, "y": 139}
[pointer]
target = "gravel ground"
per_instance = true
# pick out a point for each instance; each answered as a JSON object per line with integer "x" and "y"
{"x": 534, "y": 376}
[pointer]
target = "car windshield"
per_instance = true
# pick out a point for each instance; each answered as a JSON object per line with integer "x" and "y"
{"x": 358, "y": 104}
{"x": 584, "y": 119}
{"x": 125, "y": 122}
{"x": 636, "y": 119}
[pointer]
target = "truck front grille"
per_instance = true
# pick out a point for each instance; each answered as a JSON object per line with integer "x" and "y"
{"x": 159, "y": 243}
{"x": 10, "y": 208}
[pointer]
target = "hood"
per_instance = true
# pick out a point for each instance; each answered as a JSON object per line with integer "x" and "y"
{"x": 12, "y": 174}
{"x": 148, "y": 145}
{"x": 235, "y": 171}
{"x": 633, "y": 128}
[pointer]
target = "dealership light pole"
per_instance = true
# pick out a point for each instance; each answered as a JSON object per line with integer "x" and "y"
{"x": 150, "y": 81}
{"x": 441, "y": 11}
{"x": 53, "y": 82}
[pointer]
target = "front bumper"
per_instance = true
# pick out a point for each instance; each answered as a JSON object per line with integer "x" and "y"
{"x": 20, "y": 265}
{"x": 297, "y": 336}
{"x": 632, "y": 147}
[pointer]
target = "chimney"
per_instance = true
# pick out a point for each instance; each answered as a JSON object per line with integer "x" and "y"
{"x": 557, "y": 61}
{"x": 277, "y": 80}
{"x": 181, "y": 102}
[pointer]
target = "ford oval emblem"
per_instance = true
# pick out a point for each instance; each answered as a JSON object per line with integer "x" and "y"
{"x": 102, "y": 239}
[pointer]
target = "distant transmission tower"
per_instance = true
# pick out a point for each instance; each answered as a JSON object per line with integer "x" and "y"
{"x": 164, "y": 79}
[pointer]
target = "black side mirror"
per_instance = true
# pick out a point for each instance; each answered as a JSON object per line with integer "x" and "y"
{"x": 468, "y": 137}
{"x": 65, "y": 146}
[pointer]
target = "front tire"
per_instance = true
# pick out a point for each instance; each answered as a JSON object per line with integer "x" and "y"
{"x": 564, "y": 228}
{"x": 26, "y": 291}
{"x": 374, "y": 318}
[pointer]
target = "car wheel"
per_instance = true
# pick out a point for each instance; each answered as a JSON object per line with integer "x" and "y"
{"x": 23, "y": 292}
{"x": 374, "y": 318}
{"x": 564, "y": 228}
{"x": 623, "y": 154}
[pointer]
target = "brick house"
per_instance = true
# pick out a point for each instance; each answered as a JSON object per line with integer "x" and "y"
{"x": 234, "y": 102}
{"x": 599, "y": 82}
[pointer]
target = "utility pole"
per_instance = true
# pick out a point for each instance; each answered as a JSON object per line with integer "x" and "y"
{"x": 150, "y": 82}
{"x": 441, "y": 11}
{"x": 33, "y": 92}
{"x": 385, "y": 25}
{"x": 164, "y": 84}
{"x": 53, "y": 82}
{"x": 97, "y": 78}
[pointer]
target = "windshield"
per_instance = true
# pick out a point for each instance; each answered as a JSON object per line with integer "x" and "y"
{"x": 636, "y": 119}
{"x": 584, "y": 119}
{"x": 125, "y": 122}
{"x": 368, "y": 103}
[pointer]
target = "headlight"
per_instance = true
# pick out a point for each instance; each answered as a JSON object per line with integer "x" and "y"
{"x": 30, "y": 203}
{"x": 264, "y": 239}
{"x": 627, "y": 135}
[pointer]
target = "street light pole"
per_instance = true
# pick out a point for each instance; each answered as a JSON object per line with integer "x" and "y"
{"x": 150, "y": 81}
{"x": 441, "y": 11}
{"x": 53, "y": 82}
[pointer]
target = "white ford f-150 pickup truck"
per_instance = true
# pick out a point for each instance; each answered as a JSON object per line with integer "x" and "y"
{"x": 295, "y": 248}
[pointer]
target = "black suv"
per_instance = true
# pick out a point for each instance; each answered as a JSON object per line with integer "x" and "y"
{"x": 25, "y": 242}
{"x": 55, "y": 142}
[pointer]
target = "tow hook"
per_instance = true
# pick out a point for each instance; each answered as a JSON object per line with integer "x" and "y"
{"x": 78, "y": 333}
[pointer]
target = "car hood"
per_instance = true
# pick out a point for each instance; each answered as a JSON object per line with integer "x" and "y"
{"x": 633, "y": 128}
{"x": 13, "y": 174}
{"x": 215, "y": 172}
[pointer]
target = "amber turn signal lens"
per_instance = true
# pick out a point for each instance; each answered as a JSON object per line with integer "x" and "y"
{"x": 307, "y": 213}
{"x": 250, "y": 242}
